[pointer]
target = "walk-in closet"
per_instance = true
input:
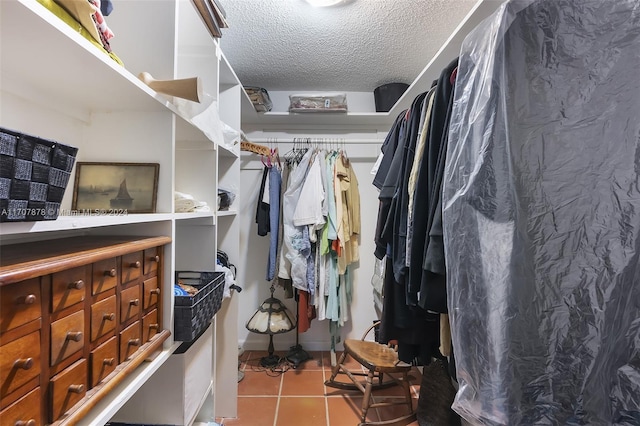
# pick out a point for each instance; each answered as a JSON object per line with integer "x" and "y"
{"x": 319, "y": 212}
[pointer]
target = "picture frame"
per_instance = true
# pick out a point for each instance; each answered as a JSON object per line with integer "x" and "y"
{"x": 115, "y": 188}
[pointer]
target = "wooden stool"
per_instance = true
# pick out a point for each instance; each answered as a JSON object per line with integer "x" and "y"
{"x": 378, "y": 359}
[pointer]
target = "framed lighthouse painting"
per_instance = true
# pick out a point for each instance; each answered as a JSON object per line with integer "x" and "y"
{"x": 115, "y": 188}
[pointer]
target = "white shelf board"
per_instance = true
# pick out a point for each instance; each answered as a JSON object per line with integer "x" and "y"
{"x": 98, "y": 82}
{"x": 351, "y": 119}
{"x": 231, "y": 212}
{"x": 110, "y": 404}
{"x": 196, "y": 218}
{"x": 252, "y": 119}
{"x": 80, "y": 221}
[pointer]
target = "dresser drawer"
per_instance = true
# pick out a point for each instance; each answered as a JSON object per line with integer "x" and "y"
{"x": 67, "y": 336}
{"x": 68, "y": 288}
{"x": 24, "y": 412}
{"x": 103, "y": 317}
{"x": 130, "y": 341}
{"x": 151, "y": 260}
{"x": 19, "y": 304}
{"x": 105, "y": 276}
{"x": 19, "y": 362}
{"x": 129, "y": 303}
{"x": 67, "y": 388}
{"x": 104, "y": 359}
{"x": 150, "y": 325}
{"x": 131, "y": 267}
{"x": 151, "y": 292}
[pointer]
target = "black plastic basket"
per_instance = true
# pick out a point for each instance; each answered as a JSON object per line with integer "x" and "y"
{"x": 192, "y": 314}
{"x": 34, "y": 174}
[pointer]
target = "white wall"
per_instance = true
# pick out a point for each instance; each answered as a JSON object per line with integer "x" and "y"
{"x": 253, "y": 257}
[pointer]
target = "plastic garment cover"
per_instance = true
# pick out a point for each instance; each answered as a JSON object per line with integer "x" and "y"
{"x": 541, "y": 210}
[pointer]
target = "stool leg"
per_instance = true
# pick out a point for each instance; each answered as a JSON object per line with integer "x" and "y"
{"x": 366, "y": 401}
{"x": 407, "y": 391}
{"x": 335, "y": 370}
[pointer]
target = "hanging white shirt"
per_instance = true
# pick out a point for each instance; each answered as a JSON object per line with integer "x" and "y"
{"x": 309, "y": 207}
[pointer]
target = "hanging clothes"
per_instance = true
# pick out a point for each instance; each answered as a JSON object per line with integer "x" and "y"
{"x": 275, "y": 184}
{"x": 408, "y": 230}
{"x": 319, "y": 216}
{"x": 295, "y": 264}
{"x": 387, "y": 189}
{"x": 398, "y": 214}
{"x": 425, "y": 121}
{"x": 262, "y": 208}
{"x": 427, "y": 284}
{"x": 540, "y": 212}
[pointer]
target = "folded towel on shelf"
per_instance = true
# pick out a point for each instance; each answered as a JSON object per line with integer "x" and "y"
{"x": 185, "y": 203}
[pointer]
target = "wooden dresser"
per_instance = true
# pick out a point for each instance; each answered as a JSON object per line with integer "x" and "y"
{"x": 77, "y": 315}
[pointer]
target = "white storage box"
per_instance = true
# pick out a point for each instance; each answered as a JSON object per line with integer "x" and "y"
{"x": 176, "y": 393}
{"x": 319, "y": 102}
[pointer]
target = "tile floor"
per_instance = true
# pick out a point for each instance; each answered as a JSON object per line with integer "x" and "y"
{"x": 298, "y": 397}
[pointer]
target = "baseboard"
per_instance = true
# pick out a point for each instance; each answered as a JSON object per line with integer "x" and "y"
{"x": 280, "y": 344}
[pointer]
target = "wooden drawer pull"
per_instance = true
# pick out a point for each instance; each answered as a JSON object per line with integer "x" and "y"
{"x": 29, "y": 422}
{"x": 109, "y": 317}
{"x": 76, "y": 388}
{"x": 134, "y": 342}
{"x": 153, "y": 326}
{"x": 29, "y": 299}
{"x": 24, "y": 363}
{"x": 154, "y": 291}
{"x": 76, "y": 336}
{"x": 135, "y": 264}
{"x": 109, "y": 361}
{"x": 112, "y": 272}
{"x": 78, "y": 285}
{"x": 134, "y": 302}
{"x": 156, "y": 258}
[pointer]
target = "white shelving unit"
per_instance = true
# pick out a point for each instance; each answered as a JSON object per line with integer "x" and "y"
{"x": 57, "y": 85}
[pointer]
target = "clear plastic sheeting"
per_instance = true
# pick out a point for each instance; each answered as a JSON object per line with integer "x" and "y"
{"x": 541, "y": 208}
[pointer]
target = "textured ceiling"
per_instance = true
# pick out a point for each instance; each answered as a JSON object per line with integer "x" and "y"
{"x": 357, "y": 46}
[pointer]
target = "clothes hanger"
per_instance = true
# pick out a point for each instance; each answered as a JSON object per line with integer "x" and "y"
{"x": 343, "y": 153}
{"x": 287, "y": 155}
{"x": 303, "y": 151}
{"x": 270, "y": 158}
{"x": 275, "y": 156}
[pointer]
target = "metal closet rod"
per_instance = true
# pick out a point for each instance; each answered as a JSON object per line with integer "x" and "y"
{"x": 338, "y": 141}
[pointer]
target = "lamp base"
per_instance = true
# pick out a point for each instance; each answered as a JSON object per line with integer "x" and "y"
{"x": 297, "y": 355}
{"x": 269, "y": 361}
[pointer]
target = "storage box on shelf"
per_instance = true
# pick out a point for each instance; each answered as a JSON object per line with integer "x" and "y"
{"x": 34, "y": 173}
{"x": 193, "y": 313}
{"x": 319, "y": 102}
{"x": 78, "y": 315}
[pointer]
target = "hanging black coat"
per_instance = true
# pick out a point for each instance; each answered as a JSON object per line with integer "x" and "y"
{"x": 432, "y": 287}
